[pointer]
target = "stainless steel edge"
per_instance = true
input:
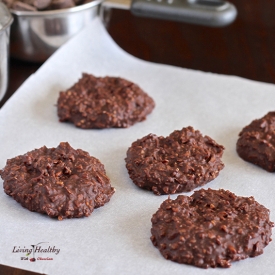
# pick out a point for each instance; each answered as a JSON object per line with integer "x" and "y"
{"x": 4, "y": 50}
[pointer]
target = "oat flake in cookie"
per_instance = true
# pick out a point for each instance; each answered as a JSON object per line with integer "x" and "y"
{"x": 212, "y": 228}
{"x": 178, "y": 163}
{"x": 104, "y": 102}
{"x": 60, "y": 182}
{"x": 256, "y": 143}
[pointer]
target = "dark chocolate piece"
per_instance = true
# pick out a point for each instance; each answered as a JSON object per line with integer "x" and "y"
{"x": 20, "y": 6}
{"x": 29, "y": 2}
{"x": 104, "y": 102}
{"x": 41, "y": 4}
{"x": 8, "y": 3}
{"x": 178, "y": 163}
{"x": 62, "y": 4}
{"x": 212, "y": 228}
{"x": 60, "y": 182}
{"x": 256, "y": 143}
{"x": 79, "y": 2}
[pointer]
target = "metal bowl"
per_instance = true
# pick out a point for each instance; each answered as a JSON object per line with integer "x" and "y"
{"x": 35, "y": 35}
{"x": 5, "y": 22}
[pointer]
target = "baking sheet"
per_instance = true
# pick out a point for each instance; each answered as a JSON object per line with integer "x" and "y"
{"x": 115, "y": 239}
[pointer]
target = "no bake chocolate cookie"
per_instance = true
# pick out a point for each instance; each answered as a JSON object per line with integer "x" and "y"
{"x": 178, "y": 163}
{"x": 104, "y": 102}
{"x": 212, "y": 228}
{"x": 60, "y": 182}
{"x": 256, "y": 143}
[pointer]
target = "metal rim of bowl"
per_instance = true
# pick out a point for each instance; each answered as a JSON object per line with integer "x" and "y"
{"x": 8, "y": 23}
{"x": 57, "y": 12}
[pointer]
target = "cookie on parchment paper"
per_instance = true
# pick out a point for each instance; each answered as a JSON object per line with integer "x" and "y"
{"x": 256, "y": 143}
{"x": 61, "y": 182}
{"x": 212, "y": 228}
{"x": 178, "y": 163}
{"x": 104, "y": 102}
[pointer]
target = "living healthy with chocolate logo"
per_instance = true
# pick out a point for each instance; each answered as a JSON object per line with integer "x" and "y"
{"x": 42, "y": 251}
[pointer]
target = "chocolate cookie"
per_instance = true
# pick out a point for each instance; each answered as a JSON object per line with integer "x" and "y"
{"x": 211, "y": 228}
{"x": 256, "y": 143}
{"x": 104, "y": 102}
{"x": 178, "y": 163}
{"x": 60, "y": 182}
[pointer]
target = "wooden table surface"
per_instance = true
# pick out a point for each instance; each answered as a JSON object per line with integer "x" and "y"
{"x": 246, "y": 48}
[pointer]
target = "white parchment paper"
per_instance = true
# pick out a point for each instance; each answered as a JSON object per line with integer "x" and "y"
{"x": 115, "y": 239}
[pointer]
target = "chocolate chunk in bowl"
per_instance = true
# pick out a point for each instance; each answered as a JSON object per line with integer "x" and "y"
{"x": 104, "y": 102}
{"x": 61, "y": 182}
{"x": 256, "y": 143}
{"x": 42, "y": 5}
{"x": 211, "y": 228}
{"x": 178, "y": 163}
